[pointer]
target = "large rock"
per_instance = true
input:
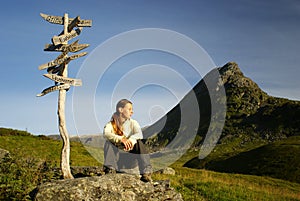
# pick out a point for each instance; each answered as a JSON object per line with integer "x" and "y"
{"x": 108, "y": 187}
{"x": 167, "y": 170}
{"x": 4, "y": 154}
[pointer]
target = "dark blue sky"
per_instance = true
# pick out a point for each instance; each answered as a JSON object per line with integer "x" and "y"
{"x": 263, "y": 37}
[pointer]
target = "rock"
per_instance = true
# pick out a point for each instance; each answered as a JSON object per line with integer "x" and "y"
{"x": 167, "y": 170}
{"x": 106, "y": 187}
{"x": 4, "y": 154}
{"x": 83, "y": 171}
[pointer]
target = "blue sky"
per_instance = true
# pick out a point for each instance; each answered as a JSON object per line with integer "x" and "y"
{"x": 263, "y": 37}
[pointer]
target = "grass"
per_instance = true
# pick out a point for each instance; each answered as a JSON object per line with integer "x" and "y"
{"x": 207, "y": 185}
{"x": 46, "y": 150}
{"x": 31, "y": 162}
{"x": 278, "y": 159}
{"x": 32, "y": 158}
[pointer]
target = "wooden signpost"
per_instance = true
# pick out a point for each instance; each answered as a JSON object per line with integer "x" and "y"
{"x": 53, "y": 88}
{"x": 74, "y": 47}
{"x": 60, "y": 20}
{"x": 61, "y": 59}
{"x": 60, "y": 79}
{"x": 66, "y": 36}
{"x": 58, "y": 72}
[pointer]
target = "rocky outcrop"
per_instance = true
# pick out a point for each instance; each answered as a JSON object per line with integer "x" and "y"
{"x": 106, "y": 187}
{"x": 4, "y": 154}
{"x": 167, "y": 170}
{"x": 86, "y": 171}
{"x": 244, "y": 96}
{"x": 249, "y": 111}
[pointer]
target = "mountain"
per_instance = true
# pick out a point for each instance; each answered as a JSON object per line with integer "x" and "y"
{"x": 252, "y": 119}
{"x": 249, "y": 111}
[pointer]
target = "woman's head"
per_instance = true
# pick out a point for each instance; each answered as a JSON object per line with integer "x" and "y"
{"x": 123, "y": 112}
{"x": 124, "y": 108}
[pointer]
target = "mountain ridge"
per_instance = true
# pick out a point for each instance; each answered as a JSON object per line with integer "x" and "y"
{"x": 246, "y": 104}
{"x": 253, "y": 120}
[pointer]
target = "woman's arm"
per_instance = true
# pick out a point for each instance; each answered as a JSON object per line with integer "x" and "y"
{"x": 110, "y": 135}
{"x": 136, "y": 132}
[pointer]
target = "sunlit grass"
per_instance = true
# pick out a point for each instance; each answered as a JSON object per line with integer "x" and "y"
{"x": 193, "y": 184}
{"x": 208, "y": 185}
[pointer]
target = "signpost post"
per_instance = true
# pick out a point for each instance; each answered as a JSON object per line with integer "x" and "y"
{"x": 60, "y": 66}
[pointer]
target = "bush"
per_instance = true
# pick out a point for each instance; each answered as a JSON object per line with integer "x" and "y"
{"x": 19, "y": 177}
{"x": 10, "y": 132}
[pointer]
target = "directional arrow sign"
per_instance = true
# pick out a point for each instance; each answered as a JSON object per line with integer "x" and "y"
{"x": 60, "y": 20}
{"x": 73, "y": 24}
{"x": 59, "y": 60}
{"x": 60, "y": 79}
{"x": 55, "y": 62}
{"x": 74, "y": 47}
{"x": 53, "y": 88}
{"x": 54, "y": 69}
{"x": 66, "y": 37}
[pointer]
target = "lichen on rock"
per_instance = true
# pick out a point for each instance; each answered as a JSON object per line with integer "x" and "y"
{"x": 106, "y": 187}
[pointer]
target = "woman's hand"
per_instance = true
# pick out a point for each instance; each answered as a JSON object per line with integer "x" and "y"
{"x": 127, "y": 143}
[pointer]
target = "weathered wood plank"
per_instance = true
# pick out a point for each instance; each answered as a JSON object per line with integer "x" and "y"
{"x": 54, "y": 69}
{"x": 73, "y": 47}
{"x": 59, "y": 60}
{"x": 66, "y": 80}
{"x": 53, "y": 88}
{"x": 66, "y": 37}
{"x": 52, "y": 63}
{"x": 59, "y": 20}
{"x": 65, "y": 151}
{"x": 73, "y": 23}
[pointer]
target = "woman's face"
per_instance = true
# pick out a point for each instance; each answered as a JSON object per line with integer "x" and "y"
{"x": 126, "y": 111}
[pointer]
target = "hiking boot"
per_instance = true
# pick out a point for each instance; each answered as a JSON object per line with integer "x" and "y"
{"x": 146, "y": 177}
{"x": 109, "y": 170}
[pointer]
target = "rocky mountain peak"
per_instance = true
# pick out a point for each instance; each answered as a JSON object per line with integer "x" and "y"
{"x": 244, "y": 96}
{"x": 246, "y": 105}
{"x": 230, "y": 69}
{"x": 232, "y": 76}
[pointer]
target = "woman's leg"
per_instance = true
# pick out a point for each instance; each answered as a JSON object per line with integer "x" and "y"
{"x": 143, "y": 157}
{"x": 111, "y": 155}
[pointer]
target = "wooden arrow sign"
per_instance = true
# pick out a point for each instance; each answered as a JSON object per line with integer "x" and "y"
{"x": 55, "y": 62}
{"x": 73, "y": 23}
{"x": 54, "y": 69}
{"x": 60, "y": 20}
{"x": 74, "y": 47}
{"x": 53, "y": 88}
{"x": 66, "y": 80}
{"x": 59, "y": 60}
{"x": 66, "y": 37}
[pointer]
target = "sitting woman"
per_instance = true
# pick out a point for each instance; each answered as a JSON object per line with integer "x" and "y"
{"x": 124, "y": 134}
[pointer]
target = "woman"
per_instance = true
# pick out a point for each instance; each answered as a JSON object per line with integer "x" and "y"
{"x": 125, "y": 134}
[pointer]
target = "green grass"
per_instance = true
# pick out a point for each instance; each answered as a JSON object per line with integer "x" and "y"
{"x": 32, "y": 161}
{"x": 207, "y": 185}
{"x": 278, "y": 160}
{"x": 45, "y": 149}
{"x": 32, "y": 158}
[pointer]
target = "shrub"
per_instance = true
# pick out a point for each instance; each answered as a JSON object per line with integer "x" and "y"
{"x": 10, "y": 132}
{"x": 20, "y": 176}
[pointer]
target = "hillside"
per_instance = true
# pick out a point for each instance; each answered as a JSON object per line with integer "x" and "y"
{"x": 253, "y": 119}
{"x": 32, "y": 158}
{"x": 279, "y": 160}
{"x": 261, "y": 136}
{"x": 249, "y": 111}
